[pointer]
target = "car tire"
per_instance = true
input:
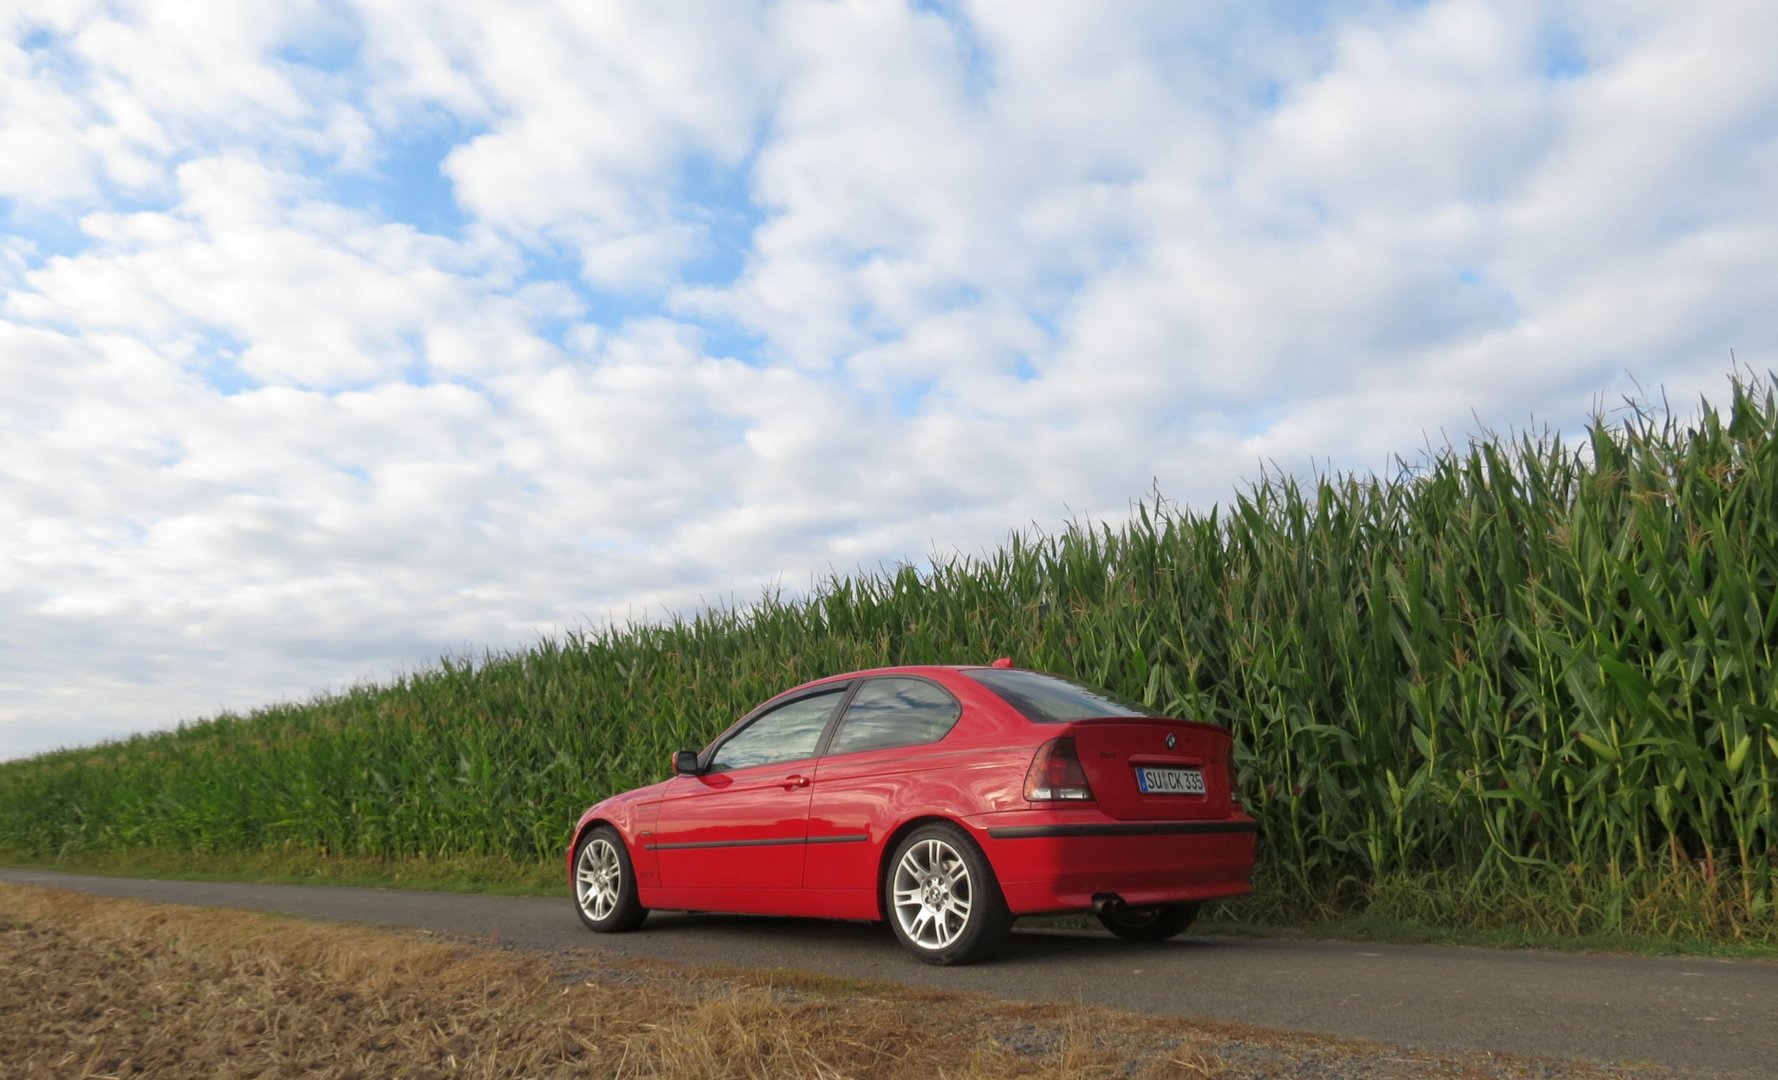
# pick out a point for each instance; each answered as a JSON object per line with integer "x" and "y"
{"x": 941, "y": 899}
{"x": 605, "y": 883}
{"x": 1156, "y": 922}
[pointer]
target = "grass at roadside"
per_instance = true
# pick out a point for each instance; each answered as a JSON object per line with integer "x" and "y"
{"x": 1378, "y": 929}
{"x": 508, "y": 878}
{"x": 93, "y": 986}
{"x": 1536, "y": 908}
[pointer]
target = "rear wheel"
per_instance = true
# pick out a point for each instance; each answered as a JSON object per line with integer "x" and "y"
{"x": 1157, "y": 922}
{"x": 605, "y": 883}
{"x": 942, "y": 899}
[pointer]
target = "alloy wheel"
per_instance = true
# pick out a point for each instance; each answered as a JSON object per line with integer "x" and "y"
{"x": 597, "y": 878}
{"x": 932, "y": 894}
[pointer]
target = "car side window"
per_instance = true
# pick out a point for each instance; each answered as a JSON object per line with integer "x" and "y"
{"x": 895, "y": 712}
{"x": 787, "y": 733}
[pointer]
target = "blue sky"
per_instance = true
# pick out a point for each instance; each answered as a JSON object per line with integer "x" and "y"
{"x": 335, "y": 336}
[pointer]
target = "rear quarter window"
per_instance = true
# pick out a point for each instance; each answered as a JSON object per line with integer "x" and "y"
{"x": 895, "y": 712}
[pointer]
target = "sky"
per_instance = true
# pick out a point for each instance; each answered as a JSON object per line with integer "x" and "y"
{"x": 336, "y": 337}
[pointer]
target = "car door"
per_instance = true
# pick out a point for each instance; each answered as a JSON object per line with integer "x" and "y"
{"x": 740, "y": 826}
{"x": 885, "y": 746}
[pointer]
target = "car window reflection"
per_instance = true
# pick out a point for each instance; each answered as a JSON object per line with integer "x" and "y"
{"x": 895, "y": 712}
{"x": 787, "y": 733}
{"x": 1047, "y": 699}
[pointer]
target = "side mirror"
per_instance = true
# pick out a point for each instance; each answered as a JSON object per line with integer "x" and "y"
{"x": 685, "y": 763}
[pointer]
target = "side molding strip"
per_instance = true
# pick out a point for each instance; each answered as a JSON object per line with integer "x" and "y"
{"x": 846, "y": 839}
{"x": 1161, "y": 828}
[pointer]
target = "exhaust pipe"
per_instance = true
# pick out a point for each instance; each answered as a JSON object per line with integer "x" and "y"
{"x": 1107, "y": 902}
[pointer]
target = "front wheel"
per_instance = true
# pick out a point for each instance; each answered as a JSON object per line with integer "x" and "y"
{"x": 605, "y": 883}
{"x": 941, "y": 897}
{"x": 1157, "y": 922}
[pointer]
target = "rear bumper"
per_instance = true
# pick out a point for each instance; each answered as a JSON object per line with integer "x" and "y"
{"x": 1058, "y": 860}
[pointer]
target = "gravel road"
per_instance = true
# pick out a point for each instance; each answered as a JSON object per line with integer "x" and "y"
{"x": 1695, "y": 1015}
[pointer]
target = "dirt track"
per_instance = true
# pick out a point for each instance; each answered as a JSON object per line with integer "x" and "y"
{"x": 1690, "y": 1014}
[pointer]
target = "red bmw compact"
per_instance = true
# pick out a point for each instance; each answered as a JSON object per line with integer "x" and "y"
{"x": 945, "y": 801}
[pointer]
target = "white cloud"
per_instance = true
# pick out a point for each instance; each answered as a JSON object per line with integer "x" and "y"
{"x": 96, "y": 96}
{"x": 300, "y": 292}
{"x": 1448, "y": 105}
{"x": 592, "y": 115}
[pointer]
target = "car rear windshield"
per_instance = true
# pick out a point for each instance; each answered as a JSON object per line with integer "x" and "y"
{"x": 1047, "y": 699}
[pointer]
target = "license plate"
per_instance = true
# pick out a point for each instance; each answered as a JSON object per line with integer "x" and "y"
{"x": 1170, "y": 781}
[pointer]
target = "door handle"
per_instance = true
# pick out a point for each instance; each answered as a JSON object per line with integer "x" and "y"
{"x": 795, "y": 782}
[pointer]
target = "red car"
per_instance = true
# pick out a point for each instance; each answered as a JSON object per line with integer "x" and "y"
{"x": 945, "y": 801}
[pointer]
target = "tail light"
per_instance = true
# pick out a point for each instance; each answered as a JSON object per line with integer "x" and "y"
{"x": 1055, "y": 774}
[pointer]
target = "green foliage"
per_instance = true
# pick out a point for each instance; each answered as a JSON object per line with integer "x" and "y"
{"x": 1517, "y": 661}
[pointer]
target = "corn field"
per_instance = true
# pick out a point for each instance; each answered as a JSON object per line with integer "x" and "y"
{"x": 1540, "y": 675}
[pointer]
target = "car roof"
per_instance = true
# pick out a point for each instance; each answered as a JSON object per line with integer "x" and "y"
{"x": 903, "y": 669}
{"x": 897, "y": 669}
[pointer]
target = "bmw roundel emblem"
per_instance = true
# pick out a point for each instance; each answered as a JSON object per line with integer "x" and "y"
{"x": 1171, "y": 740}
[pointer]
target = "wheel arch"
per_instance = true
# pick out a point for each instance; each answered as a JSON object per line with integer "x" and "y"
{"x": 894, "y": 839}
{"x": 587, "y": 826}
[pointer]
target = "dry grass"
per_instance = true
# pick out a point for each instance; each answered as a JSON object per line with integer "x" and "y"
{"x": 106, "y": 987}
